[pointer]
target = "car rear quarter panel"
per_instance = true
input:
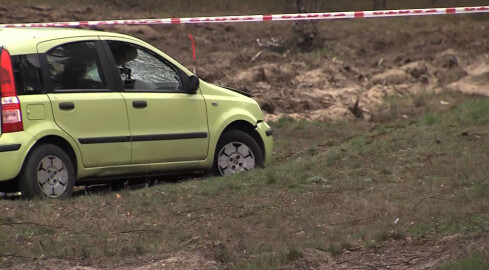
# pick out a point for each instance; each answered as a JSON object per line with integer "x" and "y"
{"x": 39, "y": 123}
{"x": 11, "y": 161}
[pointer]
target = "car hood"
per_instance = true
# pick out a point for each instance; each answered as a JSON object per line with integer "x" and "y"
{"x": 244, "y": 93}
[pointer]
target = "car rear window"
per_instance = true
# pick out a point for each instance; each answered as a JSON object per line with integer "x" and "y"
{"x": 27, "y": 73}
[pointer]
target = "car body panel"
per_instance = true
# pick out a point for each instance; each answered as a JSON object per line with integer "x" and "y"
{"x": 225, "y": 107}
{"x": 24, "y": 38}
{"x": 98, "y": 124}
{"x": 38, "y": 124}
{"x": 179, "y": 119}
{"x": 11, "y": 161}
{"x": 178, "y": 129}
{"x": 266, "y": 134}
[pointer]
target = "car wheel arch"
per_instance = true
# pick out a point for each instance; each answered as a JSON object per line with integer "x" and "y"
{"x": 248, "y": 128}
{"x": 61, "y": 143}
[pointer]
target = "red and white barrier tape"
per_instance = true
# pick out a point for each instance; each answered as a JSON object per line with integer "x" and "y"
{"x": 266, "y": 18}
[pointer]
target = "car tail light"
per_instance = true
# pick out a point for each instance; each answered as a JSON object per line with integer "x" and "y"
{"x": 11, "y": 113}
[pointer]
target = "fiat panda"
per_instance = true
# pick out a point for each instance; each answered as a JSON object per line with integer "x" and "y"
{"x": 83, "y": 105}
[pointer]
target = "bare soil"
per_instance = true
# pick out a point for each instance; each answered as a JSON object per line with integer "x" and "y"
{"x": 347, "y": 72}
{"x": 355, "y": 68}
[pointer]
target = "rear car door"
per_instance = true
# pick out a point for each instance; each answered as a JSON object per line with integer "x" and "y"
{"x": 167, "y": 125}
{"x": 84, "y": 102}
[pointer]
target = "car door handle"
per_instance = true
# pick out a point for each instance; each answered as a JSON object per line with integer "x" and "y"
{"x": 139, "y": 104}
{"x": 66, "y": 106}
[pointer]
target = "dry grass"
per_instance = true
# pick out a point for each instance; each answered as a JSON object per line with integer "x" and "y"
{"x": 334, "y": 186}
{"x": 429, "y": 176}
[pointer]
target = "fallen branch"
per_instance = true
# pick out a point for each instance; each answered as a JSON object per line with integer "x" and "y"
{"x": 210, "y": 208}
{"x": 11, "y": 224}
{"x": 434, "y": 197}
{"x": 256, "y": 56}
{"x": 137, "y": 231}
{"x": 15, "y": 255}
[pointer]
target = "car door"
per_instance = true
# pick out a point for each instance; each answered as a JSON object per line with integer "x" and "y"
{"x": 167, "y": 125}
{"x": 83, "y": 101}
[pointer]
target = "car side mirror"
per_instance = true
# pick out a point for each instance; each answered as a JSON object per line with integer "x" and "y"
{"x": 193, "y": 84}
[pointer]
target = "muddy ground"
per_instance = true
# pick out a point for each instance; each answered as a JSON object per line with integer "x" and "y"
{"x": 346, "y": 72}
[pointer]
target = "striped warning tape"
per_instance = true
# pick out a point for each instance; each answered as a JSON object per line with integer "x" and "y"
{"x": 267, "y": 18}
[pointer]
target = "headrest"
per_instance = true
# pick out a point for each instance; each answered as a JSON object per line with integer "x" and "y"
{"x": 124, "y": 54}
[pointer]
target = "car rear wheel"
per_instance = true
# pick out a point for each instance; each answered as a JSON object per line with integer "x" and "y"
{"x": 236, "y": 152}
{"x": 47, "y": 173}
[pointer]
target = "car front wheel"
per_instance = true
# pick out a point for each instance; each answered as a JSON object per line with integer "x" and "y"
{"x": 236, "y": 152}
{"x": 47, "y": 173}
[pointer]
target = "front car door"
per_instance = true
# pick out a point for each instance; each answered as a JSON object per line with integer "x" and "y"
{"x": 167, "y": 125}
{"x": 83, "y": 104}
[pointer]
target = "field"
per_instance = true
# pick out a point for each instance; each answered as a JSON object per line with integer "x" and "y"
{"x": 381, "y": 159}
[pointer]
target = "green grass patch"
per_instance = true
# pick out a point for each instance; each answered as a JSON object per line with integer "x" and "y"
{"x": 474, "y": 261}
{"x": 363, "y": 185}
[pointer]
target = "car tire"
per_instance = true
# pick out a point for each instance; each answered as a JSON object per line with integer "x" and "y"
{"x": 47, "y": 173}
{"x": 236, "y": 151}
{"x": 10, "y": 186}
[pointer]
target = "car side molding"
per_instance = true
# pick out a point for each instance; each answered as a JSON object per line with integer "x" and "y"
{"x": 145, "y": 138}
{"x": 9, "y": 147}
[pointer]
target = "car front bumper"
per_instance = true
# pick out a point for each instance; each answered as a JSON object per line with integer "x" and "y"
{"x": 266, "y": 134}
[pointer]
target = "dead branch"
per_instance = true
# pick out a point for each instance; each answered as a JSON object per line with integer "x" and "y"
{"x": 256, "y": 56}
{"x": 434, "y": 197}
{"x": 138, "y": 231}
{"x": 210, "y": 208}
{"x": 11, "y": 224}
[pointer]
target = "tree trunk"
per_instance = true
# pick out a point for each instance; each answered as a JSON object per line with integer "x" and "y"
{"x": 306, "y": 33}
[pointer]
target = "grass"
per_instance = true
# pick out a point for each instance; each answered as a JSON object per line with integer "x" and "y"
{"x": 474, "y": 261}
{"x": 348, "y": 192}
{"x": 303, "y": 138}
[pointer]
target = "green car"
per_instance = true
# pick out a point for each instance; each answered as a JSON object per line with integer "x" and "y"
{"x": 82, "y": 105}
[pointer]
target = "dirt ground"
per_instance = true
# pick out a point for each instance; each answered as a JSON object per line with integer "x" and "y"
{"x": 400, "y": 254}
{"x": 351, "y": 69}
{"x": 346, "y": 71}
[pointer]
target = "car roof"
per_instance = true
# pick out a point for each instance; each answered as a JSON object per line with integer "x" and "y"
{"x": 25, "y": 40}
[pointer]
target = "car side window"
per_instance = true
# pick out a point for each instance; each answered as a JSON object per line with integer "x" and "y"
{"x": 76, "y": 66}
{"x": 27, "y": 73}
{"x": 142, "y": 70}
